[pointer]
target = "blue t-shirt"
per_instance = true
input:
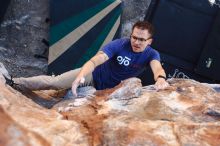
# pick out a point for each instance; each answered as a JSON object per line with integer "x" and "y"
{"x": 123, "y": 63}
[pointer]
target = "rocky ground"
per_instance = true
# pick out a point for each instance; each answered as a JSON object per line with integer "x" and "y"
{"x": 21, "y": 34}
{"x": 133, "y": 11}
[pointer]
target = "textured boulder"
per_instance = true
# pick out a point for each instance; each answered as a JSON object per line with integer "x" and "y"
{"x": 48, "y": 125}
{"x": 12, "y": 134}
{"x": 185, "y": 113}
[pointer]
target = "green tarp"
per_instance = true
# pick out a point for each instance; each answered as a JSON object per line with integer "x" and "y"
{"x": 79, "y": 28}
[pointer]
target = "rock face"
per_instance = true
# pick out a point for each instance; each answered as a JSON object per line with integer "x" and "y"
{"x": 186, "y": 113}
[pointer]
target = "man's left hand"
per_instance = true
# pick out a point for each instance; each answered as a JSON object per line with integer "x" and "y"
{"x": 161, "y": 84}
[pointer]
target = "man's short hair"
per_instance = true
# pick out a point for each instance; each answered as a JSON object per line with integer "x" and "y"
{"x": 144, "y": 25}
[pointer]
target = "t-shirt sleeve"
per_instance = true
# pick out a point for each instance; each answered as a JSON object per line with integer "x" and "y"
{"x": 155, "y": 55}
{"x": 112, "y": 48}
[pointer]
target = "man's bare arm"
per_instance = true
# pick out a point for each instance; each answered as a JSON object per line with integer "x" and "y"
{"x": 90, "y": 65}
{"x": 87, "y": 68}
{"x": 158, "y": 71}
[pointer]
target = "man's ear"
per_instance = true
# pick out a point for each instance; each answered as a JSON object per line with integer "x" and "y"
{"x": 150, "y": 41}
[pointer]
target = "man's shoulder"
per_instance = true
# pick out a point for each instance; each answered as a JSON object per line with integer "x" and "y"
{"x": 119, "y": 43}
{"x": 152, "y": 50}
{"x": 153, "y": 54}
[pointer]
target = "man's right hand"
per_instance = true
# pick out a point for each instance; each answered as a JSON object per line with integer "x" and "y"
{"x": 76, "y": 83}
{"x": 87, "y": 68}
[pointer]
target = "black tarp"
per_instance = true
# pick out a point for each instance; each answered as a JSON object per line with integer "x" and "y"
{"x": 3, "y": 7}
{"x": 182, "y": 32}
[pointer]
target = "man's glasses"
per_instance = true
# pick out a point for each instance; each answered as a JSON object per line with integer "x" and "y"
{"x": 139, "y": 39}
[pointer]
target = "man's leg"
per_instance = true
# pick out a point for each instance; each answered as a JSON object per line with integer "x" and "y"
{"x": 44, "y": 82}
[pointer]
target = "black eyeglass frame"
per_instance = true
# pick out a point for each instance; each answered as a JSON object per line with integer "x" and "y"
{"x": 139, "y": 39}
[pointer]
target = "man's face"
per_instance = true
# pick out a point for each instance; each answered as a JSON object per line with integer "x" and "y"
{"x": 140, "y": 39}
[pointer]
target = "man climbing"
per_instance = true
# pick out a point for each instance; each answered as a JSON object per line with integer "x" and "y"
{"x": 118, "y": 60}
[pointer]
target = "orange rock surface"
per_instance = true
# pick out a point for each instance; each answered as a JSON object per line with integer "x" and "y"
{"x": 186, "y": 113}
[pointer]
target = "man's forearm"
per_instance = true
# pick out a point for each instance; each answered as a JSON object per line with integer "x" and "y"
{"x": 159, "y": 73}
{"x": 87, "y": 68}
{"x": 90, "y": 65}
